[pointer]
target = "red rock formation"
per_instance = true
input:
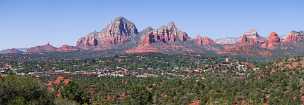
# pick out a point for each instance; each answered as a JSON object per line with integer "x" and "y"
{"x": 167, "y": 34}
{"x": 205, "y": 41}
{"x": 43, "y": 48}
{"x": 195, "y": 102}
{"x": 67, "y": 48}
{"x": 60, "y": 81}
{"x": 118, "y": 32}
{"x": 250, "y": 44}
{"x": 144, "y": 46}
{"x": 88, "y": 41}
{"x": 251, "y": 38}
{"x": 273, "y": 41}
{"x": 294, "y": 37}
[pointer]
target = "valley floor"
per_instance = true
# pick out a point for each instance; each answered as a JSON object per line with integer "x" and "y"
{"x": 153, "y": 80}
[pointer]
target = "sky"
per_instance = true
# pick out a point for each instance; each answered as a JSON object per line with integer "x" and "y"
{"x": 27, "y": 23}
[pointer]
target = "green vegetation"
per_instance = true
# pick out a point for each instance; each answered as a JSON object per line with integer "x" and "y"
{"x": 23, "y": 91}
{"x": 219, "y": 82}
{"x": 284, "y": 88}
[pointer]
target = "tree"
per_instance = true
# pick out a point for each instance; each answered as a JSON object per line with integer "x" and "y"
{"x": 73, "y": 92}
{"x": 23, "y": 90}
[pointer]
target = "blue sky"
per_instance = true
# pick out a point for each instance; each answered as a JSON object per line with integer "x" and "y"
{"x": 26, "y": 23}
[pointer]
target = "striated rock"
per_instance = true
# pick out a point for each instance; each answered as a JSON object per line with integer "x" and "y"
{"x": 205, "y": 41}
{"x": 251, "y": 38}
{"x": 293, "y": 37}
{"x": 273, "y": 41}
{"x": 144, "y": 46}
{"x": 11, "y": 51}
{"x": 118, "y": 32}
{"x": 163, "y": 39}
{"x": 166, "y": 34}
{"x": 43, "y": 48}
{"x": 67, "y": 48}
{"x": 88, "y": 41}
{"x": 249, "y": 44}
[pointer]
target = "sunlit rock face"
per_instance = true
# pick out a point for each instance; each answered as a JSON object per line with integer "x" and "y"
{"x": 293, "y": 37}
{"x": 204, "y": 41}
{"x": 67, "y": 48}
{"x": 166, "y": 38}
{"x": 167, "y": 34}
{"x": 118, "y": 32}
{"x": 273, "y": 41}
{"x": 251, "y": 38}
{"x": 43, "y": 48}
{"x": 250, "y": 43}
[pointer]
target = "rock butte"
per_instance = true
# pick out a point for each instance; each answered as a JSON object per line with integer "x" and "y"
{"x": 122, "y": 35}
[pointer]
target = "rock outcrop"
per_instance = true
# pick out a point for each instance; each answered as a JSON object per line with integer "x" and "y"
{"x": 293, "y": 37}
{"x": 273, "y": 41}
{"x": 204, "y": 41}
{"x": 122, "y": 36}
{"x": 164, "y": 39}
{"x": 43, "y": 48}
{"x": 249, "y": 44}
{"x": 166, "y": 34}
{"x": 67, "y": 48}
{"x": 144, "y": 46}
{"x": 118, "y": 32}
{"x": 251, "y": 38}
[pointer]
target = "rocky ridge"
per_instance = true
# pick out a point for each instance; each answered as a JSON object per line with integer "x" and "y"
{"x": 122, "y": 35}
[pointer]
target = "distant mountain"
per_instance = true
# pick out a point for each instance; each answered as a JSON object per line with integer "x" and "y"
{"x": 167, "y": 34}
{"x": 121, "y": 36}
{"x": 273, "y": 41}
{"x": 67, "y": 48}
{"x": 50, "y": 48}
{"x": 167, "y": 38}
{"x": 120, "y": 31}
{"x": 11, "y": 51}
{"x": 204, "y": 41}
{"x": 294, "y": 37}
{"x": 43, "y": 48}
{"x": 228, "y": 40}
{"x": 248, "y": 44}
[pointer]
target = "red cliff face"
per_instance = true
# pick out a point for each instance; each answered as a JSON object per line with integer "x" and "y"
{"x": 88, "y": 41}
{"x": 166, "y": 37}
{"x": 293, "y": 37}
{"x": 273, "y": 41}
{"x": 122, "y": 34}
{"x": 144, "y": 46}
{"x": 167, "y": 34}
{"x": 249, "y": 44}
{"x": 67, "y": 48}
{"x": 43, "y": 48}
{"x": 205, "y": 41}
{"x": 118, "y": 32}
{"x": 252, "y": 39}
